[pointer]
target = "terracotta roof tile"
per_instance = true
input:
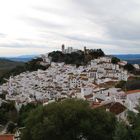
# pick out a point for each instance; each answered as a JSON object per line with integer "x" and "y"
{"x": 132, "y": 91}
{"x": 7, "y": 137}
{"x": 88, "y": 96}
{"x": 115, "y": 108}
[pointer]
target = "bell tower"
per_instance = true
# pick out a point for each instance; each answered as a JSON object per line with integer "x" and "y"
{"x": 63, "y": 48}
{"x": 85, "y": 50}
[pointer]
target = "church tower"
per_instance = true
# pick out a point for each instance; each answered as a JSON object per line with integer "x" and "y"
{"x": 63, "y": 48}
{"x": 85, "y": 50}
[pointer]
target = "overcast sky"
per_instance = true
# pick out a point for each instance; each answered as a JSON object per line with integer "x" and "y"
{"x": 40, "y": 26}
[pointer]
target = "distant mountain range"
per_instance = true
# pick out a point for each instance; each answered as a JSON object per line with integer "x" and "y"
{"x": 22, "y": 58}
{"x": 130, "y": 58}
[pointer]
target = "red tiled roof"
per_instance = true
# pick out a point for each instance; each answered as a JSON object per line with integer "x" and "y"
{"x": 88, "y": 96}
{"x": 132, "y": 91}
{"x": 95, "y": 105}
{"x": 115, "y": 108}
{"x": 7, "y": 137}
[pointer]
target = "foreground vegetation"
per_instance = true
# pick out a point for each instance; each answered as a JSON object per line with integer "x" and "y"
{"x": 70, "y": 119}
{"x": 75, "y": 120}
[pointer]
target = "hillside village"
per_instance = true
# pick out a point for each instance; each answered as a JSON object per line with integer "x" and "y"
{"x": 93, "y": 82}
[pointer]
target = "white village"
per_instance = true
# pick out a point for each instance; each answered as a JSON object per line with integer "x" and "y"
{"x": 93, "y": 82}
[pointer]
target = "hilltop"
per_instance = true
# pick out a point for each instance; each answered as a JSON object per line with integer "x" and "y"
{"x": 77, "y": 57}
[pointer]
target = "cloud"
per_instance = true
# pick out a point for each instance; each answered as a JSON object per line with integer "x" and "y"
{"x": 41, "y": 23}
{"x": 2, "y": 35}
{"x": 120, "y": 21}
{"x": 124, "y": 30}
{"x": 111, "y": 25}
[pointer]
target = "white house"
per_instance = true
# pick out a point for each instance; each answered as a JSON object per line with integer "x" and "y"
{"x": 132, "y": 100}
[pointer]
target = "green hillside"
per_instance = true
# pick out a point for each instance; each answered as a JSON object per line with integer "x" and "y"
{"x": 9, "y": 68}
{"x": 7, "y": 65}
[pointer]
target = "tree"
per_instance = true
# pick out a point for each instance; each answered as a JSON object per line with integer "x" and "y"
{"x": 134, "y": 123}
{"x": 77, "y": 58}
{"x": 57, "y": 56}
{"x": 96, "y": 53}
{"x": 69, "y": 120}
{"x": 8, "y": 112}
{"x": 88, "y": 58}
{"x": 24, "y": 112}
{"x": 11, "y": 127}
{"x": 121, "y": 84}
{"x": 133, "y": 84}
{"x": 122, "y": 132}
{"x": 129, "y": 67}
{"x": 115, "y": 60}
